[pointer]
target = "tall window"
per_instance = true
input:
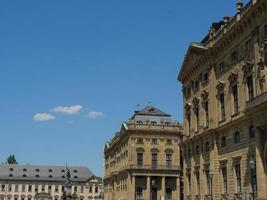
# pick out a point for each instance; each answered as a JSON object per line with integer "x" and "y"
{"x": 250, "y": 87}
{"x": 197, "y": 183}
{"x": 188, "y": 118}
{"x": 43, "y": 188}
{"x": 96, "y": 189}
{"x": 222, "y": 106}
{"x": 223, "y": 141}
{"x": 238, "y": 178}
{"x": 9, "y": 188}
{"x": 16, "y": 188}
{"x": 75, "y": 189}
{"x": 49, "y": 188}
{"x": 169, "y": 160}
{"x": 56, "y": 188}
{"x": 139, "y": 193}
{"x": 197, "y": 150}
{"x": 207, "y": 147}
{"x": 265, "y": 31}
{"x": 248, "y": 45}
{"x": 3, "y": 188}
{"x": 82, "y": 189}
{"x": 234, "y": 57}
{"x": 90, "y": 189}
{"x": 23, "y": 188}
{"x": 224, "y": 177}
{"x": 206, "y": 108}
{"x": 197, "y": 118}
{"x": 154, "y": 160}
{"x": 207, "y": 172}
{"x": 237, "y": 137}
{"x": 235, "y": 99}
{"x": 252, "y": 133}
{"x": 189, "y": 183}
{"x": 140, "y": 159}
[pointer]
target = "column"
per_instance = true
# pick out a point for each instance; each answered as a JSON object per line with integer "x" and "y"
{"x": 163, "y": 187}
{"x": 148, "y": 188}
{"x": 133, "y": 188}
{"x": 261, "y": 185}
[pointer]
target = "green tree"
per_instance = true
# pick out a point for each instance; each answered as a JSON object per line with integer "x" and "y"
{"x": 11, "y": 160}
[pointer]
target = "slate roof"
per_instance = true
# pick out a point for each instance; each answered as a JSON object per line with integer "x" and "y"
{"x": 43, "y": 173}
{"x": 151, "y": 113}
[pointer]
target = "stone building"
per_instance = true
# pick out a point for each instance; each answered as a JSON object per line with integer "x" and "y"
{"x": 225, "y": 108}
{"x": 30, "y": 182}
{"x": 142, "y": 161}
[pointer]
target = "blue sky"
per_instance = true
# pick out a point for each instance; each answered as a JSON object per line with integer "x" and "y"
{"x": 102, "y": 57}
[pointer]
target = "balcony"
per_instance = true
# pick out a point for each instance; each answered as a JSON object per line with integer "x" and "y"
{"x": 156, "y": 167}
{"x": 256, "y": 101}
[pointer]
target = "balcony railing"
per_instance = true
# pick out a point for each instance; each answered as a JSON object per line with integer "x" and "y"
{"x": 256, "y": 101}
{"x": 156, "y": 167}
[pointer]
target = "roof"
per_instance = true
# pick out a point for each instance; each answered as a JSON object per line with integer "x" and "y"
{"x": 43, "y": 173}
{"x": 151, "y": 113}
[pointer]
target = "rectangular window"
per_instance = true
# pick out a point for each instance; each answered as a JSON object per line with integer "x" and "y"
{"x": 16, "y": 188}
{"x": 49, "y": 188}
{"x": 207, "y": 172}
{"x": 238, "y": 178}
{"x": 140, "y": 159}
{"x": 75, "y": 189}
{"x": 196, "y": 85}
{"x": 222, "y": 105}
{"x": 29, "y": 188}
{"x": 43, "y": 188}
{"x": 3, "y": 188}
{"x": 36, "y": 188}
{"x": 168, "y": 160}
{"x": 139, "y": 141}
{"x": 205, "y": 77}
{"x": 139, "y": 193}
{"x": 56, "y": 188}
{"x": 197, "y": 118}
{"x": 90, "y": 189}
{"x": 225, "y": 182}
{"x": 23, "y": 188}
{"x": 154, "y": 141}
{"x": 198, "y": 183}
{"x": 82, "y": 189}
{"x": 169, "y": 141}
{"x": 223, "y": 141}
{"x": 234, "y": 57}
{"x": 96, "y": 189}
{"x": 188, "y": 117}
{"x": 265, "y": 32}
{"x": 235, "y": 99}
{"x": 221, "y": 67}
{"x": 206, "y": 108}
{"x": 248, "y": 45}
{"x": 9, "y": 188}
{"x": 154, "y": 160}
{"x": 250, "y": 87}
{"x": 189, "y": 183}
{"x": 62, "y": 188}
{"x": 237, "y": 137}
{"x": 252, "y": 133}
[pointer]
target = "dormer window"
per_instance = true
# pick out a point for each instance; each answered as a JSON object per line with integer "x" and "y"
{"x": 75, "y": 177}
{"x": 11, "y": 169}
{"x": 37, "y": 170}
{"x": 62, "y": 176}
{"x": 63, "y": 171}
{"x": 50, "y": 176}
{"x": 75, "y": 171}
{"x": 50, "y": 170}
{"x": 10, "y": 175}
{"x": 37, "y": 175}
{"x": 24, "y": 175}
{"x": 24, "y": 169}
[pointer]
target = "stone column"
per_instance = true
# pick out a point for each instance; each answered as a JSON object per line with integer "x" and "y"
{"x": 261, "y": 185}
{"x": 148, "y": 188}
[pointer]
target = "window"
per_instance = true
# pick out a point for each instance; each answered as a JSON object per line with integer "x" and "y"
{"x": 248, "y": 45}
{"x": 82, "y": 189}
{"x": 154, "y": 160}
{"x": 43, "y": 188}
{"x": 237, "y": 137}
{"x": 207, "y": 147}
{"x": 224, "y": 177}
{"x": 140, "y": 159}
{"x": 265, "y": 31}
{"x": 75, "y": 171}
{"x": 90, "y": 189}
{"x": 188, "y": 117}
{"x": 169, "y": 141}
{"x": 208, "y": 182}
{"x": 189, "y": 183}
{"x": 36, "y": 188}
{"x": 9, "y": 188}
{"x": 29, "y": 188}
{"x": 75, "y": 189}
{"x": 49, "y": 188}
{"x": 198, "y": 183}
{"x": 23, "y": 188}
{"x": 222, "y": 105}
{"x": 197, "y": 150}
{"x": 252, "y": 133}
{"x": 189, "y": 153}
{"x": 50, "y": 170}
{"x": 3, "y": 188}
{"x": 235, "y": 99}
{"x": 154, "y": 141}
{"x": 250, "y": 87}
{"x": 16, "y": 188}
{"x": 62, "y": 188}
{"x": 139, "y": 141}
{"x": 221, "y": 67}
{"x": 139, "y": 193}
{"x": 56, "y": 188}
{"x": 197, "y": 118}
{"x": 238, "y": 178}
{"x": 234, "y": 57}
{"x": 206, "y": 109}
{"x": 196, "y": 85}
{"x": 205, "y": 77}
{"x": 24, "y": 169}
{"x": 96, "y": 189}
{"x": 168, "y": 160}
{"x": 223, "y": 141}
{"x": 37, "y": 170}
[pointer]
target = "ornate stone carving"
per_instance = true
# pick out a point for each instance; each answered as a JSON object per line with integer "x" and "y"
{"x": 220, "y": 86}
{"x": 187, "y": 108}
{"x": 233, "y": 77}
{"x": 196, "y": 102}
{"x": 204, "y": 94}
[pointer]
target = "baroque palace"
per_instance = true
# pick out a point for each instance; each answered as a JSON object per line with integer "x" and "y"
{"x": 142, "y": 161}
{"x": 225, "y": 108}
{"x": 29, "y": 182}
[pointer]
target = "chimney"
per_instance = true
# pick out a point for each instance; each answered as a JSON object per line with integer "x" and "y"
{"x": 239, "y": 6}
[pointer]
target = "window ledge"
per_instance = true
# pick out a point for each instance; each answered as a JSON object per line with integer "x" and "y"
{"x": 235, "y": 114}
{"x": 222, "y": 121}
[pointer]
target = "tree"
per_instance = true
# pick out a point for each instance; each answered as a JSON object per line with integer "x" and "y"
{"x": 11, "y": 160}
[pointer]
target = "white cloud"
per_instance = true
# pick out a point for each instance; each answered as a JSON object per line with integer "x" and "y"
{"x": 40, "y": 117}
{"x": 94, "y": 114}
{"x": 68, "y": 110}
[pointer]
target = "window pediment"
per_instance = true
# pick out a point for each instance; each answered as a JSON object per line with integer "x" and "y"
{"x": 154, "y": 150}
{"x": 140, "y": 150}
{"x": 168, "y": 151}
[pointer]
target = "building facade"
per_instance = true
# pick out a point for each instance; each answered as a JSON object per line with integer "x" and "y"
{"x": 29, "y": 182}
{"x": 225, "y": 108}
{"x": 142, "y": 161}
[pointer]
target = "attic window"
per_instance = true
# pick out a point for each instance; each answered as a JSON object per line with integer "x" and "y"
{"x": 24, "y": 175}
{"x": 50, "y": 176}
{"x": 24, "y": 169}
{"x": 75, "y": 176}
{"x": 139, "y": 122}
{"x": 10, "y": 175}
{"x": 50, "y": 170}
{"x": 154, "y": 123}
{"x": 63, "y": 171}
{"x": 151, "y": 110}
{"x": 11, "y": 169}
{"x": 37, "y": 170}
{"x": 75, "y": 171}
{"x": 37, "y": 175}
{"x": 62, "y": 176}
